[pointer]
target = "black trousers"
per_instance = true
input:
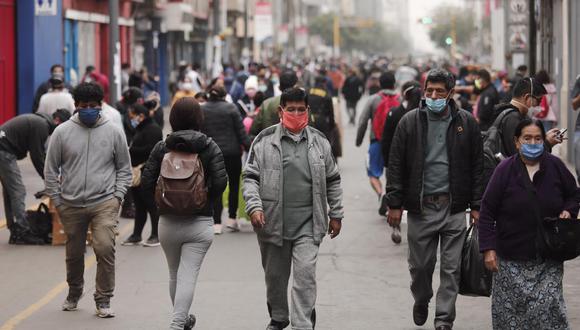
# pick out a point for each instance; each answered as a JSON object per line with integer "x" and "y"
{"x": 234, "y": 170}
{"x": 144, "y": 205}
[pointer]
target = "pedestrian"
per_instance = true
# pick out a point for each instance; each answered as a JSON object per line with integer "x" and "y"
{"x": 126, "y": 72}
{"x": 87, "y": 173}
{"x": 268, "y": 114}
{"x": 575, "y": 96}
{"x": 375, "y": 162}
{"x": 55, "y": 70}
{"x": 411, "y": 99}
{"x": 56, "y": 98}
{"x": 19, "y": 136}
{"x": 92, "y": 75}
{"x": 549, "y": 101}
{"x": 435, "y": 173}
{"x": 352, "y": 91}
{"x": 186, "y": 89}
{"x": 487, "y": 98}
{"x": 527, "y": 289}
{"x": 223, "y": 123}
{"x": 130, "y": 97}
{"x": 289, "y": 179}
{"x": 153, "y": 103}
{"x": 186, "y": 238}
{"x": 322, "y": 114}
{"x": 245, "y": 104}
{"x": 147, "y": 134}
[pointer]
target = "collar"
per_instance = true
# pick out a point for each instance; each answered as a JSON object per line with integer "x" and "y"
{"x": 294, "y": 137}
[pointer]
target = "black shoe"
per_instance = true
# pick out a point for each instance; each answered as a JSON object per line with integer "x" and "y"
{"x": 132, "y": 240}
{"x": 190, "y": 323}
{"x": 383, "y": 208}
{"x": 25, "y": 238}
{"x": 276, "y": 325}
{"x": 443, "y": 327}
{"x": 420, "y": 314}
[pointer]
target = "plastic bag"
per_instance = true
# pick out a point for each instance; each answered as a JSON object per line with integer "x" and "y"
{"x": 475, "y": 278}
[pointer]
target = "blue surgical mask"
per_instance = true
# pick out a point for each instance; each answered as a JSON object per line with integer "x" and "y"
{"x": 135, "y": 122}
{"x": 532, "y": 151}
{"x": 89, "y": 116}
{"x": 436, "y": 106}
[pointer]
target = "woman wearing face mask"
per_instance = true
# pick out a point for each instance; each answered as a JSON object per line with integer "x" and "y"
{"x": 527, "y": 290}
{"x": 147, "y": 134}
{"x": 186, "y": 89}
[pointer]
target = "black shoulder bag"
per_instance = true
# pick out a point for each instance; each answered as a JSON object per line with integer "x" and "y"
{"x": 556, "y": 239}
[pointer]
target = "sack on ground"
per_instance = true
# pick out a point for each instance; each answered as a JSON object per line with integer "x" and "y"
{"x": 181, "y": 187}
{"x": 476, "y": 280}
{"x": 40, "y": 223}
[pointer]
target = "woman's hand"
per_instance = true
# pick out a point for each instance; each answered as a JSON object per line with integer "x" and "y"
{"x": 490, "y": 259}
{"x": 565, "y": 215}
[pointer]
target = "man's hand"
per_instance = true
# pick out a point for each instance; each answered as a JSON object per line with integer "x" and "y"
{"x": 474, "y": 216}
{"x": 334, "y": 227}
{"x": 565, "y": 215}
{"x": 490, "y": 259}
{"x": 394, "y": 217}
{"x": 553, "y": 138}
{"x": 257, "y": 219}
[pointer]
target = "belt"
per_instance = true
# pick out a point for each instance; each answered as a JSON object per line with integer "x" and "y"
{"x": 436, "y": 198}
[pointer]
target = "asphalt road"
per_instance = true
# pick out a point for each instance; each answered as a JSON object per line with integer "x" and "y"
{"x": 363, "y": 279}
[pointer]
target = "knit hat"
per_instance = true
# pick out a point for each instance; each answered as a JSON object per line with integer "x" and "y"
{"x": 251, "y": 83}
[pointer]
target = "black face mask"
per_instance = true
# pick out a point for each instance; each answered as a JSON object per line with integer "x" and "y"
{"x": 150, "y": 105}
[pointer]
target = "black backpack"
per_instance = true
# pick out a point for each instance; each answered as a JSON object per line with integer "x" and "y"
{"x": 40, "y": 223}
{"x": 493, "y": 148}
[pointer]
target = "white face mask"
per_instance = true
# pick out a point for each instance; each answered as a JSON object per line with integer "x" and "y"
{"x": 187, "y": 86}
{"x": 533, "y": 111}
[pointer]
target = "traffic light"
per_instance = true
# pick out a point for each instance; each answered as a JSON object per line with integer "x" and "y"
{"x": 426, "y": 20}
{"x": 449, "y": 41}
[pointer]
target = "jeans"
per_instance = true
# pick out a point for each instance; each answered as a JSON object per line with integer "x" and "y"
{"x": 13, "y": 190}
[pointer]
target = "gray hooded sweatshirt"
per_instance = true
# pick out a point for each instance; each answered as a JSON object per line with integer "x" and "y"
{"x": 93, "y": 163}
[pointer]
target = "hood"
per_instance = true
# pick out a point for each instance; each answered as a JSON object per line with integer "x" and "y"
{"x": 187, "y": 141}
{"x": 503, "y": 106}
{"x": 51, "y": 125}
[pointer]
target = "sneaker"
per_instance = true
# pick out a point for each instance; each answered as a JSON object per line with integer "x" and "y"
{"x": 384, "y": 207}
{"x": 396, "y": 235}
{"x": 233, "y": 224}
{"x": 152, "y": 241}
{"x": 132, "y": 240}
{"x": 70, "y": 304}
{"x": 217, "y": 229}
{"x": 104, "y": 310}
{"x": 277, "y": 325}
{"x": 190, "y": 323}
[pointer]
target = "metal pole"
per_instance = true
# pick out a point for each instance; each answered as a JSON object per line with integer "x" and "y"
{"x": 114, "y": 52}
{"x": 246, "y": 43}
{"x": 565, "y": 113}
{"x": 533, "y": 38}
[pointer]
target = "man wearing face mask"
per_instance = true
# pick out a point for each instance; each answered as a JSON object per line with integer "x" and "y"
{"x": 289, "y": 180}
{"x": 487, "y": 99}
{"x": 525, "y": 103}
{"x": 87, "y": 173}
{"x": 435, "y": 173}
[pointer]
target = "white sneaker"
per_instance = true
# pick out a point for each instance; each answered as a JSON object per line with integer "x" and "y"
{"x": 105, "y": 311}
{"x": 217, "y": 229}
{"x": 233, "y": 224}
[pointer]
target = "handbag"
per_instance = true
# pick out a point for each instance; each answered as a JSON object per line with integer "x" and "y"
{"x": 136, "y": 175}
{"x": 556, "y": 239}
{"x": 40, "y": 223}
{"x": 475, "y": 280}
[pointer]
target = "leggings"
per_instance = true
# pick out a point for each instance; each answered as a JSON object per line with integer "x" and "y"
{"x": 185, "y": 241}
{"x": 234, "y": 170}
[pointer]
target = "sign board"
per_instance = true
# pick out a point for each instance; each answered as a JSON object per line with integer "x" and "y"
{"x": 518, "y": 25}
{"x": 264, "y": 27}
{"x": 45, "y": 7}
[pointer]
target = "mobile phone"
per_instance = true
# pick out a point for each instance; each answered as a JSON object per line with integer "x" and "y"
{"x": 561, "y": 133}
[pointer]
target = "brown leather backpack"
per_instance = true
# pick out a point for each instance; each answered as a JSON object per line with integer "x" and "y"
{"x": 181, "y": 188}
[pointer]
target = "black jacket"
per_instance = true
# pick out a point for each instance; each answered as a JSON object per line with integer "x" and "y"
{"x": 147, "y": 134}
{"x": 407, "y": 160}
{"x": 27, "y": 133}
{"x": 391, "y": 124}
{"x": 321, "y": 111}
{"x": 353, "y": 88}
{"x": 43, "y": 89}
{"x": 223, "y": 123}
{"x": 488, "y": 99}
{"x": 194, "y": 142}
{"x": 123, "y": 109}
{"x": 508, "y": 127}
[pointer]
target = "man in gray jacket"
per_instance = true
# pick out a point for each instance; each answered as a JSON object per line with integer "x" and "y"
{"x": 290, "y": 180}
{"x": 87, "y": 173}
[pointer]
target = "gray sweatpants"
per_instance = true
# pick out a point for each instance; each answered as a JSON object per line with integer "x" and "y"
{"x": 13, "y": 190}
{"x": 185, "y": 241}
{"x": 301, "y": 255}
{"x": 424, "y": 233}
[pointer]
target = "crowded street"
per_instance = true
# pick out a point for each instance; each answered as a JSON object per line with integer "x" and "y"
{"x": 290, "y": 164}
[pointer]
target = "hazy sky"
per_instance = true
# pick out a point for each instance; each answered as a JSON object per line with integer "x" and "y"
{"x": 421, "y": 8}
